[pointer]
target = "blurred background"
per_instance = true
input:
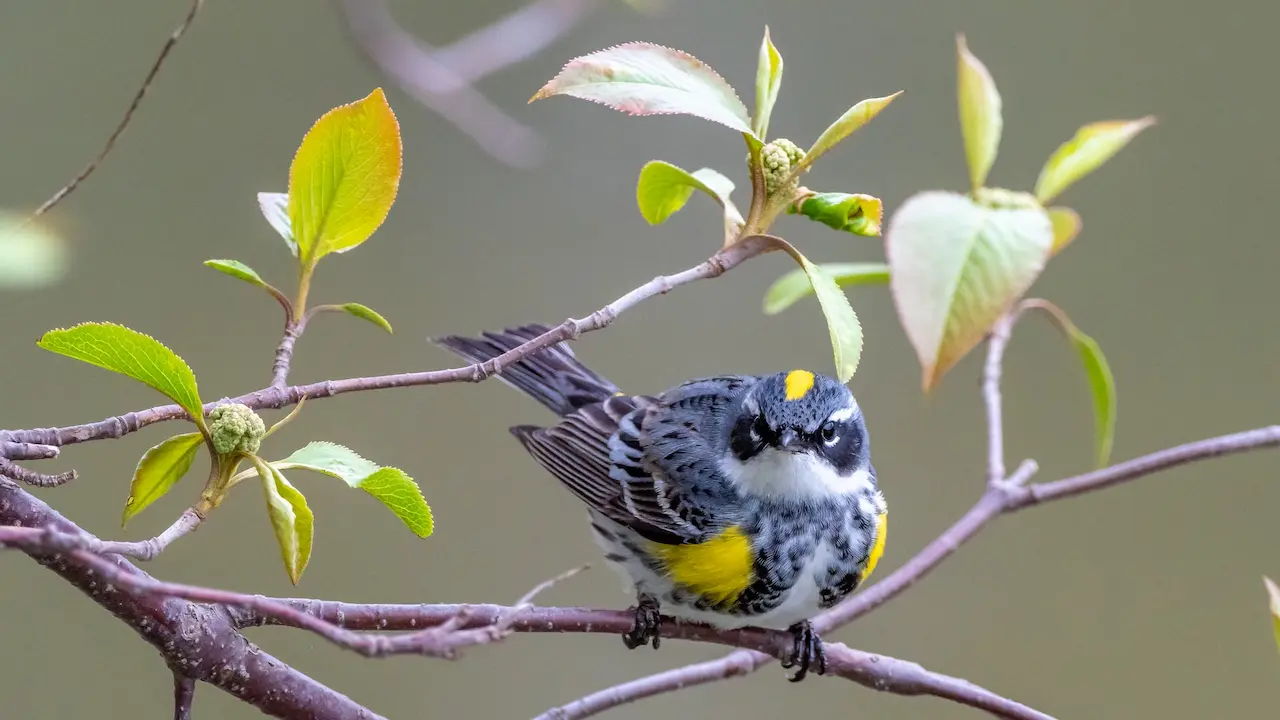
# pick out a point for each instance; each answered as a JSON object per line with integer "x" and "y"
{"x": 1142, "y": 601}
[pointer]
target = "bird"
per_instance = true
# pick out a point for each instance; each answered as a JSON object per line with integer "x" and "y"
{"x": 731, "y": 500}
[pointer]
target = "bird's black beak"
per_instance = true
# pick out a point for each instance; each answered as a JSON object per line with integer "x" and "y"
{"x": 787, "y": 439}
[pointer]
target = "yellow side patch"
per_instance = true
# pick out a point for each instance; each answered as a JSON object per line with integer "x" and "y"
{"x": 877, "y": 549}
{"x": 799, "y": 383}
{"x": 718, "y": 569}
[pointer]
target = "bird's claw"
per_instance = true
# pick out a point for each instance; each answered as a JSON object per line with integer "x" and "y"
{"x": 645, "y": 628}
{"x": 807, "y": 652}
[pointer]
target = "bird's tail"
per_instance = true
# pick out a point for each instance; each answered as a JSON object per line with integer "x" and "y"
{"x": 553, "y": 376}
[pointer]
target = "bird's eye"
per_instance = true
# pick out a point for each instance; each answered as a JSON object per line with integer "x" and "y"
{"x": 829, "y": 435}
{"x": 761, "y": 429}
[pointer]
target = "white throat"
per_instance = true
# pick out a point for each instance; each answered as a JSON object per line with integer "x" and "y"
{"x": 780, "y": 475}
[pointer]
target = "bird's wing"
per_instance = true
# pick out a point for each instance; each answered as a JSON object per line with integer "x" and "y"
{"x": 605, "y": 453}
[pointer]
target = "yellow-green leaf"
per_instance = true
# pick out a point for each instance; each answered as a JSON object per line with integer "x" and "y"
{"x": 842, "y": 322}
{"x": 159, "y": 469}
{"x": 853, "y": 118}
{"x": 1273, "y": 595}
{"x": 768, "y": 82}
{"x": 291, "y": 519}
{"x": 129, "y": 352}
{"x": 640, "y": 78}
{"x": 365, "y": 313}
{"x": 957, "y": 266}
{"x": 1102, "y": 385}
{"x": 344, "y": 177}
{"x": 795, "y": 285}
{"x": 275, "y": 208}
{"x": 857, "y": 214}
{"x": 237, "y": 269}
{"x": 1092, "y": 145}
{"x": 391, "y": 486}
{"x": 31, "y": 254}
{"x": 980, "y": 113}
{"x": 663, "y": 189}
{"x": 1066, "y": 226}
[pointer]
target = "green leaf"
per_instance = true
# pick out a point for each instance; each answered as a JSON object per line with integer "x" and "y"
{"x": 366, "y": 313}
{"x": 1092, "y": 145}
{"x": 956, "y": 268}
{"x": 640, "y": 78}
{"x": 842, "y": 323}
{"x": 1066, "y": 226}
{"x": 129, "y": 352}
{"x": 237, "y": 269}
{"x": 768, "y": 82}
{"x": 1273, "y": 594}
{"x": 291, "y": 519}
{"x": 31, "y": 254}
{"x": 857, "y": 214}
{"x": 795, "y": 285}
{"x": 160, "y": 469}
{"x": 391, "y": 486}
{"x": 344, "y": 177}
{"x": 1102, "y": 384}
{"x": 663, "y": 189}
{"x": 980, "y": 119}
{"x": 275, "y": 208}
{"x": 854, "y": 118}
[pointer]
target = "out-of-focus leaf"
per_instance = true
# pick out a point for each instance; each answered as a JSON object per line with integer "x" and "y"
{"x": 1066, "y": 226}
{"x": 795, "y": 285}
{"x": 640, "y": 78}
{"x": 1273, "y": 594}
{"x": 956, "y": 268}
{"x": 159, "y": 469}
{"x": 31, "y": 254}
{"x": 842, "y": 322}
{"x": 853, "y": 118}
{"x": 768, "y": 82}
{"x": 344, "y": 177}
{"x": 1092, "y": 145}
{"x": 857, "y": 214}
{"x": 980, "y": 120}
{"x": 129, "y": 352}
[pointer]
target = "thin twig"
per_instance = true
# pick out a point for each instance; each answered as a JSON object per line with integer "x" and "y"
{"x": 26, "y": 451}
{"x": 188, "y": 521}
{"x": 184, "y": 694}
{"x": 31, "y": 477}
{"x": 169, "y": 44}
{"x": 272, "y": 398}
{"x": 996, "y": 343}
{"x": 284, "y": 354}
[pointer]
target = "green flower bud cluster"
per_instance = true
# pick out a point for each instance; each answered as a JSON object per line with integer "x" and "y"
{"x": 777, "y": 158}
{"x": 235, "y": 428}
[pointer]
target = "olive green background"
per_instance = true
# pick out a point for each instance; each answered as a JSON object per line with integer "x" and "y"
{"x": 1143, "y": 601}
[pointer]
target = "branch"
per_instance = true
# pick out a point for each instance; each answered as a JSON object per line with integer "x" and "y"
{"x": 441, "y": 79}
{"x": 184, "y": 693}
{"x": 128, "y": 114}
{"x": 188, "y": 521}
{"x": 278, "y": 397}
{"x": 200, "y": 641}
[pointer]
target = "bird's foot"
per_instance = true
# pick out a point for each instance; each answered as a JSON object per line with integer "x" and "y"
{"x": 645, "y": 627}
{"x": 807, "y": 652}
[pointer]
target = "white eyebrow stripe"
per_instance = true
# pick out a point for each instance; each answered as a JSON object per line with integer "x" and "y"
{"x": 842, "y": 414}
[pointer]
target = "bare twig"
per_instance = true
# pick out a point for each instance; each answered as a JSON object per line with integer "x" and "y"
{"x": 277, "y": 397}
{"x": 188, "y": 521}
{"x": 184, "y": 694}
{"x": 128, "y": 114}
{"x": 31, "y": 477}
{"x": 26, "y": 451}
{"x": 997, "y": 342}
{"x": 284, "y": 354}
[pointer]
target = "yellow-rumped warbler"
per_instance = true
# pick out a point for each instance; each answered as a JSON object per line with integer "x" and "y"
{"x": 733, "y": 500}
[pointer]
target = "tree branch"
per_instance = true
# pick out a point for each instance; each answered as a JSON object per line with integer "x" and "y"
{"x": 200, "y": 641}
{"x": 277, "y": 397}
{"x": 128, "y": 114}
{"x": 188, "y": 521}
{"x": 184, "y": 694}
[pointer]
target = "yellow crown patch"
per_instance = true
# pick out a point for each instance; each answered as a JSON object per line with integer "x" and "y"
{"x": 799, "y": 383}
